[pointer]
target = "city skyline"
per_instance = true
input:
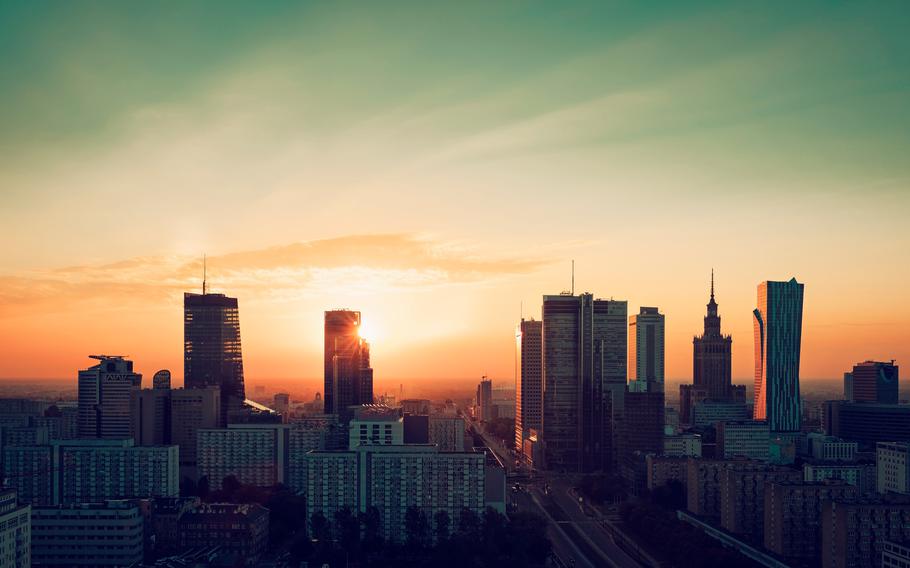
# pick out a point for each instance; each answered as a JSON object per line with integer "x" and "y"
{"x": 460, "y": 184}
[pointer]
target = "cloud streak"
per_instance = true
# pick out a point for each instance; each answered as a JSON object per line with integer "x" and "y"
{"x": 353, "y": 264}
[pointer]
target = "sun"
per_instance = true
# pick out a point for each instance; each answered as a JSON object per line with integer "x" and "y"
{"x": 368, "y": 331}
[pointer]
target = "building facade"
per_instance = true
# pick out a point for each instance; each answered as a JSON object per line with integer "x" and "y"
{"x": 15, "y": 531}
{"x": 193, "y": 410}
{"x": 88, "y": 535}
{"x": 241, "y": 530}
{"x": 893, "y": 467}
{"x": 348, "y": 379}
{"x": 584, "y": 373}
{"x": 874, "y": 381}
{"x": 778, "y": 322}
{"x": 646, "y": 349}
{"x": 212, "y": 353}
{"x": 866, "y": 422}
{"x": 743, "y": 438}
{"x": 105, "y": 395}
{"x": 854, "y": 532}
{"x": 447, "y": 432}
{"x": 742, "y": 497}
{"x": 255, "y": 454}
{"x": 529, "y": 379}
{"x": 793, "y": 512}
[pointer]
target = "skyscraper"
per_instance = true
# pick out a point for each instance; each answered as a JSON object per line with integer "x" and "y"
{"x": 778, "y": 326}
{"x": 711, "y": 355}
{"x": 874, "y": 381}
{"x": 484, "y": 409}
{"x": 584, "y": 375}
{"x": 348, "y": 375}
{"x": 646, "y": 350}
{"x": 211, "y": 347}
{"x": 105, "y": 395}
{"x": 529, "y": 379}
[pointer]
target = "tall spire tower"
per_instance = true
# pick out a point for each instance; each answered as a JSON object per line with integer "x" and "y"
{"x": 711, "y": 356}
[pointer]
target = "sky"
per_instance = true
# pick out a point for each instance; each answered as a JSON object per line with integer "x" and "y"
{"x": 438, "y": 166}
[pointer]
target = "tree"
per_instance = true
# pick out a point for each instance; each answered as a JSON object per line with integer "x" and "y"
{"x": 321, "y": 534}
{"x": 442, "y": 524}
{"x": 416, "y": 529}
{"x": 347, "y": 527}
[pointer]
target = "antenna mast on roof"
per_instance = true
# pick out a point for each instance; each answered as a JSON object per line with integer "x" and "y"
{"x": 573, "y": 276}
{"x": 203, "y": 274}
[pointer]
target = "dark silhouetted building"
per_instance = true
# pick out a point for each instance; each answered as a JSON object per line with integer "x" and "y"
{"x": 239, "y": 529}
{"x": 416, "y": 429}
{"x": 742, "y": 497}
{"x": 646, "y": 351}
{"x": 867, "y": 423}
{"x": 105, "y": 398}
{"x": 484, "y": 397}
{"x": 211, "y": 347}
{"x": 872, "y": 381}
{"x": 162, "y": 379}
{"x": 778, "y": 326}
{"x": 529, "y": 379}
{"x": 348, "y": 375}
{"x": 584, "y": 373}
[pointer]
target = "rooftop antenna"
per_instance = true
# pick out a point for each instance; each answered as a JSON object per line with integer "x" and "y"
{"x": 203, "y": 274}
{"x": 573, "y": 276}
{"x": 712, "y": 283}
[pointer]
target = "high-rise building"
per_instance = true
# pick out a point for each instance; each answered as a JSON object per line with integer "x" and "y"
{"x": 484, "y": 408}
{"x": 88, "y": 535}
{"x": 447, "y": 432}
{"x": 584, "y": 374}
{"x": 529, "y": 379}
{"x": 872, "y": 381}
{"x": 151, "y": 416}
{"x": 778, "y": 326}
{"x": 867, "y": 422}
{"x": 893, "y": 467}
{"x": 191, "y": 411}
{"x": 793, "y": 512}
{"x": 742, "y": 497}
{"x": 162, "y": 380}
{"x": 642, "y": 423}
{"x": 255, "y": 454}
{"x": 646, "y": 350}
{"x": 211, "y": 347}
{"x": 854, "y": 531}
{"x": 711, "y": 361}
{"x": 348, "y": 375}
{"x": 15, "y": 531}
{"x": 105, "y": 395}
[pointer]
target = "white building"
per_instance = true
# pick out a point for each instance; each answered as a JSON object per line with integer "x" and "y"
{"x": 15, "y": 531}
{"x": 892, "y": 467}
{"x": 87, "y": 534}
{"x": 375, "y": 425}
{"x": 255, "y": 454}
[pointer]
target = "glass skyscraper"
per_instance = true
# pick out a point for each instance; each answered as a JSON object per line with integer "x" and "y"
{"x": 211, "y": 347}
{"x": 646, "y": 350}
{"x": 528, "y": 378}
{"x": 348, "y": 377}
{"x": 778, "y": 322}
{"x": 584, "y": 374}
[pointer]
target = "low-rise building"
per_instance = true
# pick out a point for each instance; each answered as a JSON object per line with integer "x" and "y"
{"x": 87, "y": 534}
{"x": 242, "y": 530}
{"x": 688, "y": 445}
{"x": 831, "y": 448}
{"x": 861, "y": 474}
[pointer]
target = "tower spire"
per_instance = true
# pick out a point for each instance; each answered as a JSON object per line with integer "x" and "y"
{"x": 712, "y": 283}
{"x": 203, "y": 274}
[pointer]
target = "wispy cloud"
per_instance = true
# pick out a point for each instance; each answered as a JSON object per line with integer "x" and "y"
{"x": 354, "y": 264}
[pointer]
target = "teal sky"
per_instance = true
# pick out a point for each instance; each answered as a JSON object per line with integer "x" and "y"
{"x": 643, "y": 139}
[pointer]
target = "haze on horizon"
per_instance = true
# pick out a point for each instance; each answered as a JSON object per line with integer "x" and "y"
{"x": 437, "y": 167}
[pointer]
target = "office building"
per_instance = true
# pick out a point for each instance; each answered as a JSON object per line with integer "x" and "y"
{"x": 254, "y": 454}
{"x": 88, "y": 534}
{"x": 682, "y": 445}
{"x": 240, "y": 530}
{"x": 893, "y": 467}
{"x": 860, "y": 474}
{"x": 646, "y": 350}
{"x": 162, "y": 380}
{"x": 447, "y": 433}
{"x": 866, "y": 422}
{"x": 642, "y": 425}
{"x": 831, "y": 448}
{"x": 212, "y": 354}
{"x": 743, "y": 438}
{"x": 584, "y": 373}
{"x": 529, "y": 379}
{"x": 105, "y": 395}
{"x": 742, "y": 497}
{"x": 483, "y": 409}
{"x": 151, "y": 416}
{"x": 854, "y": 531}
{"x": 896, "y": 554}
{"x": 193, "y": 410}
{"x": 710, "y": 412}
{"x": 15, "y": 531}
{"x": 793, "y": 512}
{"x": 778, "y": 322}
{"x": 376, "y": 425}
{"x": 872, "y": 381}
{"x": 348, "y": 375}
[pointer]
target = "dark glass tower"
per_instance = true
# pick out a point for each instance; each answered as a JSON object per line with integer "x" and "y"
{"x": 584, "y": 375}
{"x": 711, "y": 357}
{"x": 211, "y": 347}
{"x": 778, "y": 327}
{"x": 348, "y": 375}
